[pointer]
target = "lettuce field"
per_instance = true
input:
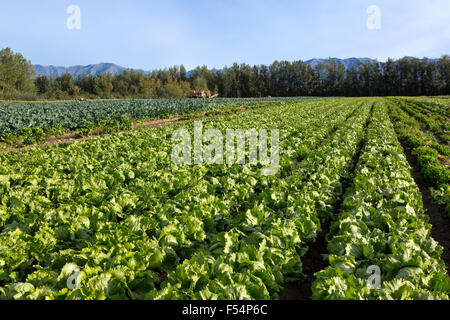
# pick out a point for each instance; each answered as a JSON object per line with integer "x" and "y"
{"x": 114, "y": 217}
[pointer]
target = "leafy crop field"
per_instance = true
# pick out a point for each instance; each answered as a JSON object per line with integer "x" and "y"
{"x": 25, "y": 124}
{"x": 424, "y": 128}
{"x": 120, "y": 218}
{"x": 72, "y": 115}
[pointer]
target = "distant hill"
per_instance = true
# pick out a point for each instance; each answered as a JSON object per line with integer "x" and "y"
{"x": 348, "y": 63}
{"x": 114, "y": 68}
{"x": 80, "y": 70}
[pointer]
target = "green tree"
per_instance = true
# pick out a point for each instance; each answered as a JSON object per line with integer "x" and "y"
{"x": 16, "y": 73}
{"x": 67, "y": 84}
{"x": 183, "y": 73}
{"x": 199, "y": 83}
{"x": 42, "y": 84}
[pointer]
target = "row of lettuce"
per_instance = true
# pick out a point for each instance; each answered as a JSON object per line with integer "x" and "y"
{"x": 434, "y": 117}
{"x": 382, "y": 230}
{"x": 418, "y": 133}
{"x": 433, "y": 107}
{"x": 436, "y": 124}
{"x": 134, "y": 225}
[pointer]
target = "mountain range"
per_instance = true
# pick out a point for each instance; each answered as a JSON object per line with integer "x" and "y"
{"x": 114, "y": 68}
{"x": 348, "y": 63}
{"x": 79, "y": 70}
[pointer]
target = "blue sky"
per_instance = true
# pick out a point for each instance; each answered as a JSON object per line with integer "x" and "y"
{"x": 156, "y": 34}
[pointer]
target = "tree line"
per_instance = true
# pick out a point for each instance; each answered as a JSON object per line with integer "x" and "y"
{"x": 403, "y": 77}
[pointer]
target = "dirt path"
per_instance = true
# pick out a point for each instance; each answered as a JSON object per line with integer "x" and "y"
{"x": 312, "y": 262}
{"x": 438, "y": 138}
{"x": 71, "y": 137}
